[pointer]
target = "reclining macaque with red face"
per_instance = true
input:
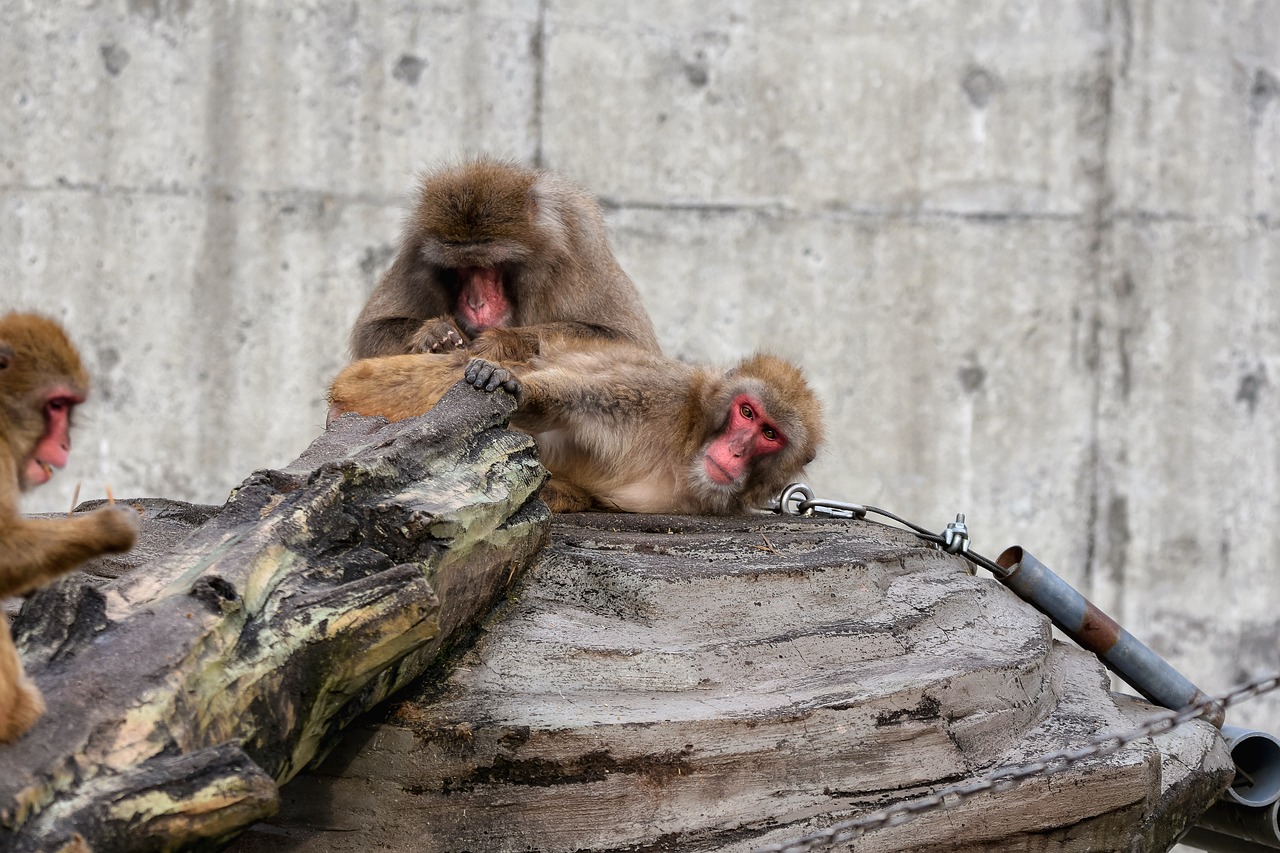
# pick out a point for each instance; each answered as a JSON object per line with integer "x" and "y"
{"x": 619, "y": 427}
{"x": 41, "y": 383}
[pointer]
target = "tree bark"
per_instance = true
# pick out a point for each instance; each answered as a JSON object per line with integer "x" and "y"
{"x": 183, "y": 692}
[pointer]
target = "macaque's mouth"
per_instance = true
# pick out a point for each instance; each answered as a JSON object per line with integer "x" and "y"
{"x": 39, "y": 471}
{"x": 715, "y": 472}
{"x": 482, "y": 298}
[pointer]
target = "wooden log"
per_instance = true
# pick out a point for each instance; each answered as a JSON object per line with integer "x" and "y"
{"x": 181, "y": 693}
{"x": 689, "y": 684}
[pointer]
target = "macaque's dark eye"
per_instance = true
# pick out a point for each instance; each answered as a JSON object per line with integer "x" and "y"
{"x": 6, "y": 356}
{"x": 746, "y": 411}
{"x": 770, "y": 434}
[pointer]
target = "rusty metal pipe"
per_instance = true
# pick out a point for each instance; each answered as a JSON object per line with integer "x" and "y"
{"x": 1078, "y": 618}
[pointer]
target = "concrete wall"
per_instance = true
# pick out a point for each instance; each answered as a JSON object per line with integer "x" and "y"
{"x": 1029, "y": 252}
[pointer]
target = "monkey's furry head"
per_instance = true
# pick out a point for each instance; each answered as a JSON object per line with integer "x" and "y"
{"x": 798, "y": 406}
{"x": 789, "y": 402}
{"x": 482, "y": 213}
{"x": 33, "y": 349}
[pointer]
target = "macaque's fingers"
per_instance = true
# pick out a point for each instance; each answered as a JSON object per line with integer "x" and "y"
{"x": 451, "y": 341}
{"x": 474, "y": 369}
{"x": 479, "y": 372}
{"x": 438, "y": 335}
{"x": 488, "y": 376}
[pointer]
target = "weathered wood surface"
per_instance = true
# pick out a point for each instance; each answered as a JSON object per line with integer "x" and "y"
{"x": 662, "y": 684}
{"x": 182, "y": 692}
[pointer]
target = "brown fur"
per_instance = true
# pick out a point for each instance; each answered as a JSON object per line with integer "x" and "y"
{"x": 618, "y": 427}
{"x": 547, "y": 237}
{"x": 37, "y": 362}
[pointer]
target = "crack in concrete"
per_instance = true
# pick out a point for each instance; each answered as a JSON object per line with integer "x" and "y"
{"x": 1118, "y": 23}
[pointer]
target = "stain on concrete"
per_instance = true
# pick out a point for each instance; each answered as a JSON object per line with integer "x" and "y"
{"x": 696, "y": 73}
{"x": 376, "y": 258}
{"x": 979, "y": 85}
{"x": 108, "y": 357}
{"x": 972, "y": 377}
{"x": 409, "y": 69}
{"x": 1264, "y": 90}
{"x": 153, "y": 10}
{"x": 1125, "y": 288}
{"x": 1251, "y": 387}
{"x": 1092, "y": 350}
{"x": 1118, "y": 535}
{"x": 115, "y": 58}
{"x": 1125, "y": 357}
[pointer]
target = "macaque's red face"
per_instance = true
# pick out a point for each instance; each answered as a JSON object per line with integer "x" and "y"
{"x": 54, "y": 447}
{"x": 482, "y": 301}
{"x": 750, "y": 434}
{"x": 41, "y": 383}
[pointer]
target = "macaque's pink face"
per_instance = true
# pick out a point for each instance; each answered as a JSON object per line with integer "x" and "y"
{"x": 750, "y": 434}
{"x": 54, "y": 447}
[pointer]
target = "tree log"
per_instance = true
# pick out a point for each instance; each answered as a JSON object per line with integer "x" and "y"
{"x": 662, "y": 684}
{"x": 181, "y": 693}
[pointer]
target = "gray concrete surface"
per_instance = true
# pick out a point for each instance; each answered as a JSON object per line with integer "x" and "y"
{"x": 1028, "y": 252}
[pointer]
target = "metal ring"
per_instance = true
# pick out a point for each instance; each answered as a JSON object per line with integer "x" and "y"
{"x": 789, "y": 496}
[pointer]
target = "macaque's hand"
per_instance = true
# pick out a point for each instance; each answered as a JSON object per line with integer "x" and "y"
{"x": 116, "y": 528}
{"x": 439, "y": 334}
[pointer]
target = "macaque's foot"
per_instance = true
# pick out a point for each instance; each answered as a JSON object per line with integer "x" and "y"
{"x": 563, "y": 496}
{"x": 488, "y": 376}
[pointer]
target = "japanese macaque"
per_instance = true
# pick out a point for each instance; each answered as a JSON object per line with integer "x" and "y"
{"x": 494, "y": 245}
{"x": 41, "y": 383}
{"x": 619, "y": 427}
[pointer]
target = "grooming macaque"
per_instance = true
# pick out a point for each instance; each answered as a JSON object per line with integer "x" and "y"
{"x": 493, "y": 245}
{"x": 619, "y": 427}
{"x": 41, "y": 383}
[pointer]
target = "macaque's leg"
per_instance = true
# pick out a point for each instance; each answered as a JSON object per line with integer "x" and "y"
{"x": 394, "y": 387}
{"x": 20, "y": 702}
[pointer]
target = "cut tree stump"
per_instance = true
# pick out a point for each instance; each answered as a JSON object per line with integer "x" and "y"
{"x": 678, "y": 684}
{"x": 182, "y": 692}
